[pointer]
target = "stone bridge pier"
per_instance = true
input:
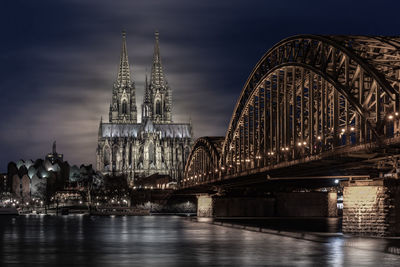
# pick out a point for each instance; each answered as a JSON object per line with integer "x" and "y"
{"x": 371, "y": 207}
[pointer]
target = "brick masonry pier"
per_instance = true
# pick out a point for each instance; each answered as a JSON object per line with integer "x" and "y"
{"x": 371, "y": 207}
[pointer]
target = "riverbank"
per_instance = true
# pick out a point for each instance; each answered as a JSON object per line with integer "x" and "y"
{"x": 390, "y": 245}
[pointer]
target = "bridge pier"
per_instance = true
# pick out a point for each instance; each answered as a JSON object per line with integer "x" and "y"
{"x": 205, "y": 205}
{"x": 371, "y": 207}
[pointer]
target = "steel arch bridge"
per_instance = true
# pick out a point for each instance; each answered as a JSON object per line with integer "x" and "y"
{"x": 309, "y": 96}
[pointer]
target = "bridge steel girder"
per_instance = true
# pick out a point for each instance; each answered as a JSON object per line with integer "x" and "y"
{"x": 310, "y": 94}
{"x": 203, "y": 160}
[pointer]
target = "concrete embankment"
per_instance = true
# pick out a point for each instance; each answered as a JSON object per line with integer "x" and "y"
{"x": 389, "y": 245}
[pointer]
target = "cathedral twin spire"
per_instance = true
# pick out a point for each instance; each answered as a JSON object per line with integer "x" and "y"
{"x": 157, "y": 100}
{"x": 123, "y": 104}
{"x": 124, "y": 75}
{"x": 157, "y": 74}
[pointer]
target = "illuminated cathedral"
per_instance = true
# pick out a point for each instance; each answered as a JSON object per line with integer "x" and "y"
{"x": 155, "y": 145}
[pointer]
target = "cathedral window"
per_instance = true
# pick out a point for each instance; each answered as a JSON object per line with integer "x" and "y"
{"x": 107, "y": 158}
{"x": 187, "y": 151}
{"x": 152, "y": 158}
{"x": 114, "y": 157}
{"x": 124, "y": 107}
{"x": 158, "y": 107}
{"x": 130, "y": 156}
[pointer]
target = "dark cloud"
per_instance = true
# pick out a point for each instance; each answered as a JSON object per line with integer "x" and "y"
{"x": 59, "y": 59}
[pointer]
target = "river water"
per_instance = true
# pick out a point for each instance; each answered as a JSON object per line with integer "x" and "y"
{"x": 163, "y": 241}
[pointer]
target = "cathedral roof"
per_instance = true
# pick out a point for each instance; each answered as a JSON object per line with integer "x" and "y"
{"x": 172, "y": 130}
{"x": 148, "y": 127}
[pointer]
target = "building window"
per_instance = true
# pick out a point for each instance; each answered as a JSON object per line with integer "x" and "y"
{"x": 124, "y": 107}
{"x": 158, "y": 107}
{"x": 107, "y": 159}
{"x": 152, "y": 158}
{"x": 187, "y": 151}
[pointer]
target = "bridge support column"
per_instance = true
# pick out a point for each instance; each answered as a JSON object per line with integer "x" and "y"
{"x": 205, "y": 206}
{"x": 371, "y": 207}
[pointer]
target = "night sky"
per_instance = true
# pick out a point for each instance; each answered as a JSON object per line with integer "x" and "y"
{"x": 59, "y": 59}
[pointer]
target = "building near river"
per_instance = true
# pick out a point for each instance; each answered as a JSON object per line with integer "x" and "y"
{"x": 156, "y": 144}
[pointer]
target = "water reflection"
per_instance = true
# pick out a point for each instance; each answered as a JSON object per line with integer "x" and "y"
{"x": 164, "y": 241}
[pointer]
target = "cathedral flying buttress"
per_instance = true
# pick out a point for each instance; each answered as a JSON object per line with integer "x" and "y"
{"x": 156, "y": 145}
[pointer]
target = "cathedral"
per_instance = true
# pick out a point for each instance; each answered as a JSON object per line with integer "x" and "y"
{"x": 155, "y": 145}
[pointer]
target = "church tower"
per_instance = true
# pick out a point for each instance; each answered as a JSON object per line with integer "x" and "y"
{"x": 156, "y": 145}
{"x": 161, "y": 97}
{"x": 123, "y": 103}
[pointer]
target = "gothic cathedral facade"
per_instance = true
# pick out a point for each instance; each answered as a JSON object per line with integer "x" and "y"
{"x": 155, "y": 145}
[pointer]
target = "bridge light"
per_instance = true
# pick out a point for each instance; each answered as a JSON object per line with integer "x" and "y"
{"x": 304, "y": 143}
{"x": 352, "y": 129}
{"x": 390, "y": 117}
{"x": 283, "y": 149}
{"x": 299, "y": 144}
{"x": 216, "y": 170}
{"x": 222, "y": 168}
{"x": 287, "y": 148}
{"x": 396, "y": 113}
{"x": 319, "y": 137}
{"x": 343, "y": 130}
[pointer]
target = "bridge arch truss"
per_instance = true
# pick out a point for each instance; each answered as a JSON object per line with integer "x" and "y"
{"x": 311, "y": 94}
{"x": 203, "y": 161}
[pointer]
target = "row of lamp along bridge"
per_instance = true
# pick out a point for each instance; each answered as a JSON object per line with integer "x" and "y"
{"x": 302, "y": 148}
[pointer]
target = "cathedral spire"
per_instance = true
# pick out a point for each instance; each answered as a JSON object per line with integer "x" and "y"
{"x": 124, "y": 76}
{"x": 157, "y": 75}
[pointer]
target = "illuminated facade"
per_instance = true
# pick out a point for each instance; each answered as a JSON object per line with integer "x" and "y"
{"x": 156, "y": 144}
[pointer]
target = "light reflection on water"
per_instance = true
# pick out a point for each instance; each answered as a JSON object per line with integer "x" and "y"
{"x": 163, "y": 241}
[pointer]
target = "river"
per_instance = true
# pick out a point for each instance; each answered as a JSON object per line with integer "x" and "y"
{"x": 163, "y": 241}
